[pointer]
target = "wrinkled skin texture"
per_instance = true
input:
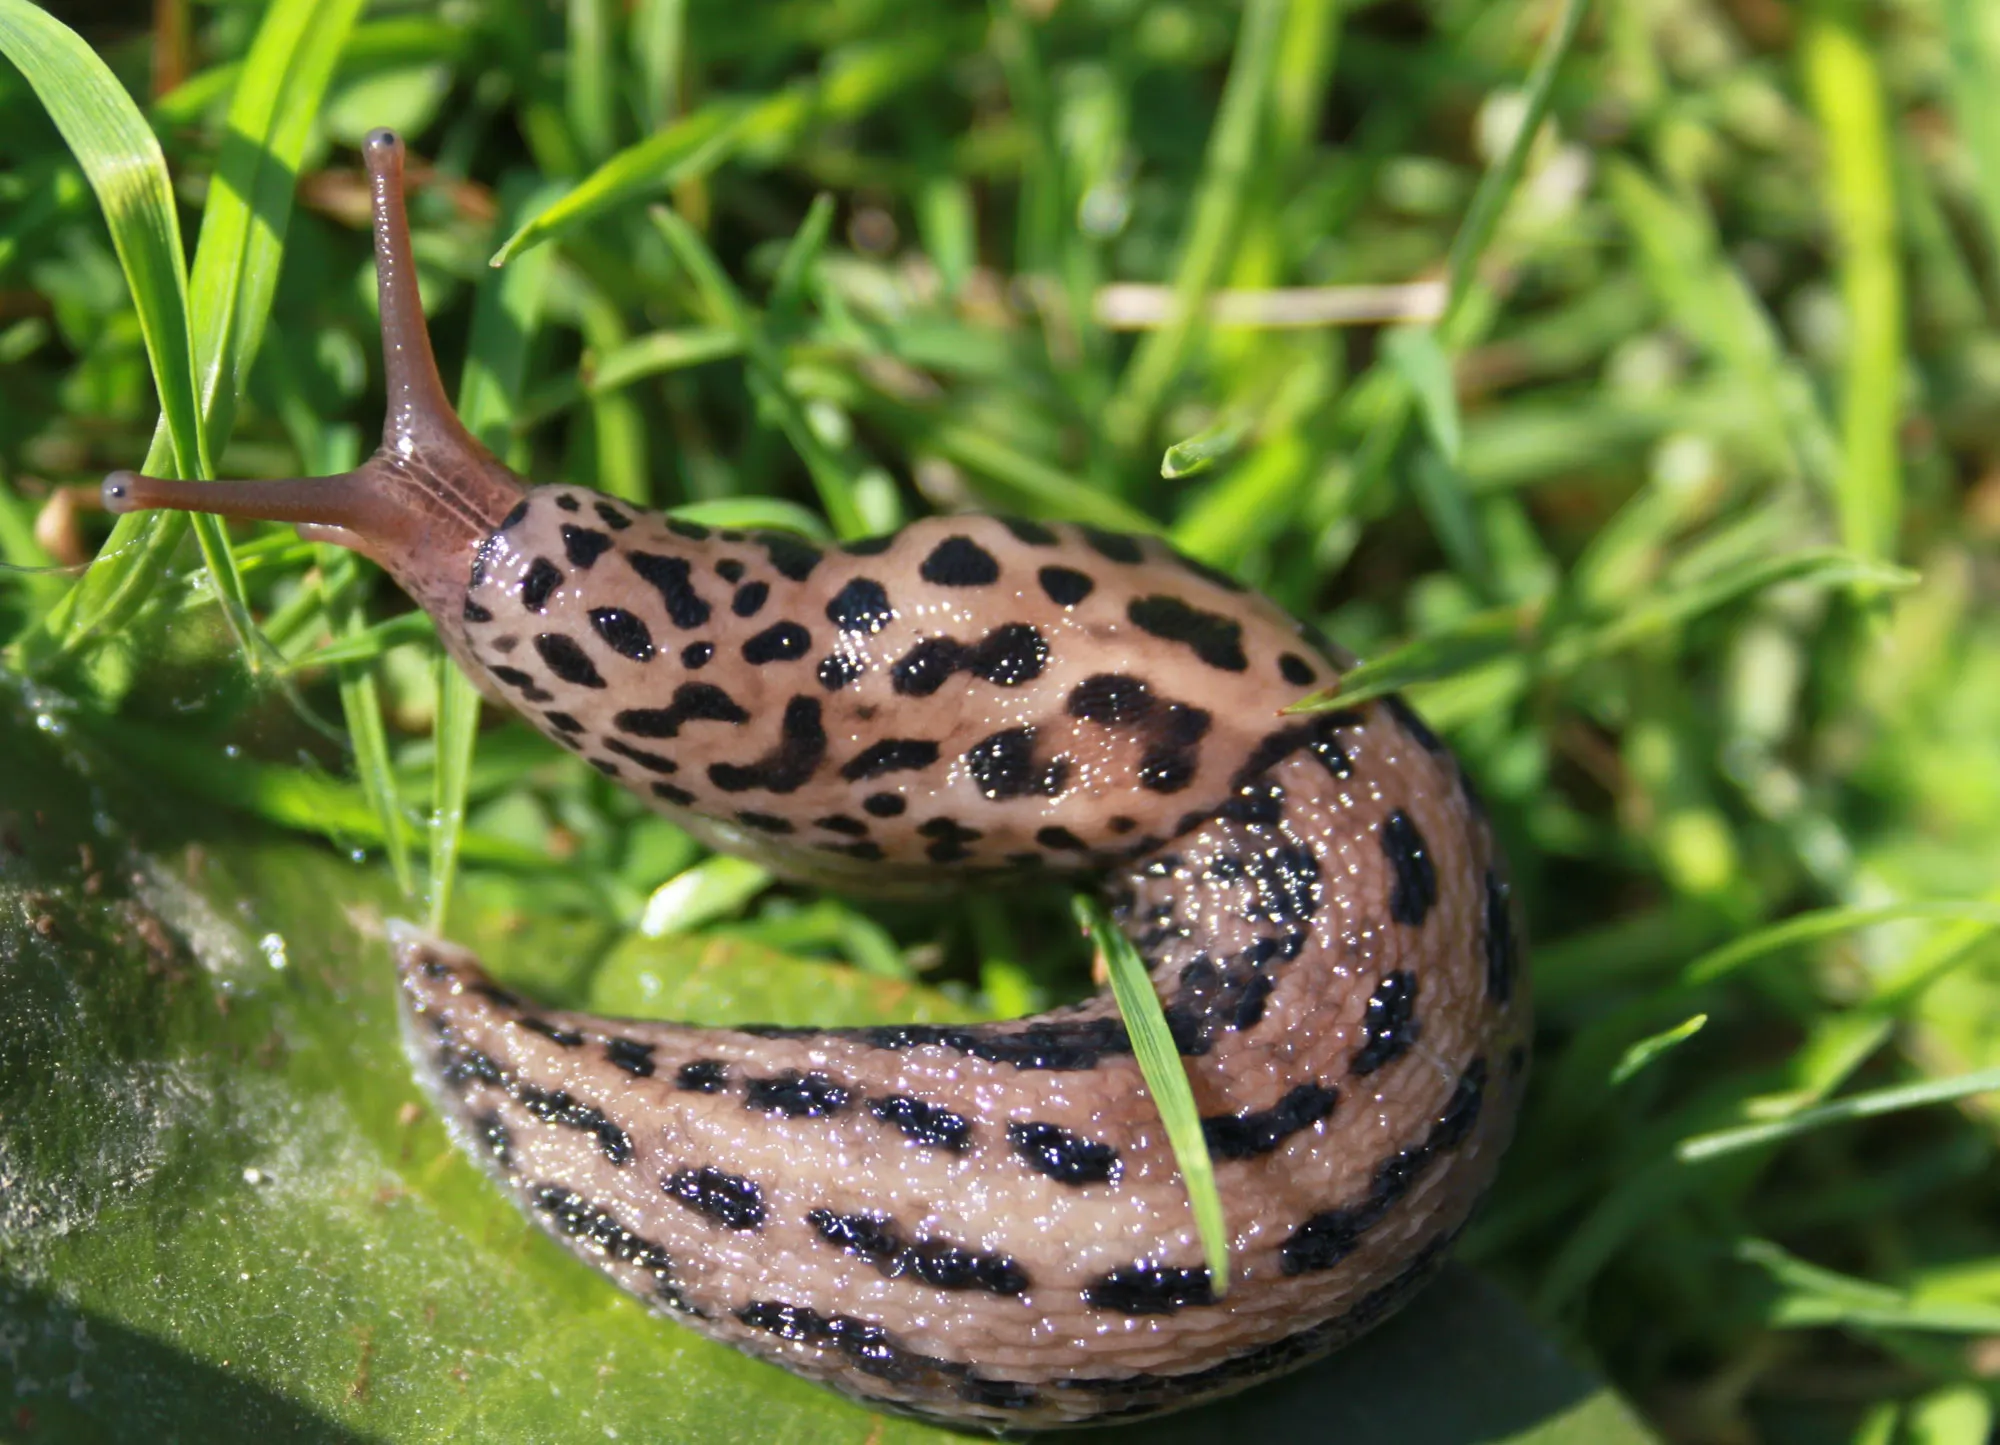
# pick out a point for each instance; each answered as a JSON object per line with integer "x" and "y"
{"x": 980, "y": 1224}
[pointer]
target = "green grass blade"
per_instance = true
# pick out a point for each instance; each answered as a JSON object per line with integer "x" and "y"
{"x": 1196, "y": 454}
{"x": 1817, "y": 1298}
{"x": 454, "y": 735}
{"x": 1166, "y": 1079}
{"x": 1636, "y": 1058}
{"x": 1498, "y": 632}
{"x": 1739, "y": 953}
{"x": 1702, "y": 1147}
{"x": 1421, "y": 361}
{"x": 714, "y": 888}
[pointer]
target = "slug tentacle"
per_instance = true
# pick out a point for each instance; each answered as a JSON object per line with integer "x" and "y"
{"x": 978, "y": 1223}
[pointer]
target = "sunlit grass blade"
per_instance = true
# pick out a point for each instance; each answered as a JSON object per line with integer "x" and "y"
{"x": 1739, "y": 953}
{"x": 1873, "y": 1104}
{"x": 1496, "y": 633}
{"x": 1817, "y": 1298}
{"x": 369, "y": 642}
{"x": 1167, "y": 1081}
{"x": 1207, "y": 447}
{"x": 1636, "y": 1058}
{"x": 750, "y": 513}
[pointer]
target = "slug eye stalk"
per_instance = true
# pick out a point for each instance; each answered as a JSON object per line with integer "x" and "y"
{"x": 429, "y": 494}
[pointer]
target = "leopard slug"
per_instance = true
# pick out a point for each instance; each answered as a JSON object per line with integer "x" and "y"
{"x": 982, "y": 1224}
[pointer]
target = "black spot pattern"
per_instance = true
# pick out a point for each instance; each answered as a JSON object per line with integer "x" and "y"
{"x": 471, "y": 611}
{"x": 1296, "y": 670}
{"x": 1065, "y": 1156}
{"x": 543, "y": 577}
{"x": 765, "y": 822}
{"x": 670, "y": 576}
{"x": 678, "y": 796}
{"x": 583, "y": 545}
{"x": 623, "y": 633}
{"x": 1065, "y": 586}
{"x": 1009, "y": 655}
{"x": 884, "y": 805}
{"x": 931, "y": 1125}
{"x": 1032, "y": 533}
{"x": 861, "y": 607}
{"x": 836, "y": 670}
{"x": 750, "y": 598}
{"x": 935, "y": 1262}
{"x": 791, "y": 557}
{"x": 562, "y": 721}
{"x": 554, "y": 1033}
{"x": 693, "y": 531}
{"x": 1319, "y": 736}
{"x": 497, "y": 1140}
{"x": 729, "y": 1199}
{"x": 872, "y": 1350}
{"x": 1060, "y": 839}
{"x": 702, "y": 1076}
{"x": 1501, "y": 959}
{"x": 1150, "y": 1289}
{"x": 729, "y": 570}
{"x": 596, "y": 1228}
{"x": 568, "y": 503}
{"x": 891, "y": 755}
{"x": 558, "y": 1107}
{"x": 630, "y": 1055}
{"x": 696, "y": 655}
{"x": 796, "y": 1095}
{"x": 1215, "y": 639}
{"x": 1003, "y": 766}
{"x": 948, "y": 838}
{"x": 1390, "y": 1025}
{"x": 616, "y": 520}
{"x": 787, "y": 767}
{"x": 1284, "y": 882}
{"x": 693, "y": 702}
{"x": 651, "y": 762}
{"x": 959, "y": 561}
{"x": 1110, "y": 697}
{"x": 780, "y": 642}
{"x": 927, "y": 667}
{"x": 515, "y": 515}
{"x": 841, "y": 823}
{"x": 567, "y": 661}
{"x": 1416, "y": 888}
{"x": 1063, "y": 1045}
{"x": 1259, "y": 1131}
{"x": 1116, "y": 545}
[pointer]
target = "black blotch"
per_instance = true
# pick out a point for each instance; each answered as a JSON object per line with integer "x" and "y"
{"x": 1115, "y": 545}
{"x": 1066, "y": 586}
{"x": 926, "y": 667}
{"x": 566, "y": 1038}
{"x": 562, "y": 721}
{"x": 791, "y": 557}
{"x": 1002, "y": 765}
{"x": 959, "y": 561}
{"x": 948, "y": 839}
{"x": 765, "y": 822}
{"x": 1296, "y": 670}
{"x": 566, "y": 660}
{"x": 867, "y": 1235}
{"x": 693, "y": 531}
{"x": 693, "y": 702}
{"x": 866, "y": 851}
{"x": 1063, "y": 1046}
{"x": 1009, "y": 655}
{"x": 796, "y": 1095}
{"x": 604, "y": 766}
{"x": 800, "y": 750}
{"x": 1214, "y": 997}
{"x": 1415, "y": 726}
{"x": 670, "y": 577}
{"x": 680, "y": 797}
{"x": 872, "y": 1350}
{"x": 631, "y": 1056}
{"x": 729, "y": 570}
{"x": 1110, "y": 697}
{"x": 836, "y": 670}
{"x": 459, "y": 1065}
{"x": 1253, "y": 1132}
{"x": 498, "y": 1141}
{"x": 558, "y": 1107}
{"x": 543, "y": 578}
{"x": 651, "y": 762}
{"x": 841, "y": 823}
{"x": 472, "y": 612}
{"x": 883, "y": 805}
{"x": 1066, "y": 1157}
{"x": 623, "y": 633}
{"x": 750, "y": 598}
{"x": 1320, "y": 736}
{"x": 1215, "y": 639}
{"x": 1150, "y": 1289}
{"x": 513, "y": 517}
{"x": 568, "y": 503}
{"x": 1501, "y": 957}
{"x": 1060, "y": 839}
{"x": 1032, "y": 533}
{"x": 928, "y": 1124}
{"x": 780, "y": 642}
{"x": 697, "y": 654}
{"x": 596, "y": 1228}
{"x": 702, "y": 1076}
{"x": 862, "y": 606}
{"x": 1285, "y": 884}
{"x": 616, "y": 520}
{"x": 729, "y": 1199}
{"x": 583, "y": 545}
{"x": 935, "y": 1262}
{"x": 1121, "y": 824}
{"x": 891, "y": 755}
{"x": 1416, "y": 887}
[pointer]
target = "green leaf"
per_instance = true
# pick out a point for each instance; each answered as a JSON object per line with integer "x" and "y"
{"x": 1855, "y": 1106}
{"x": 1636, "y": 1058}
{"x": 1196, "y": 454}
{"x": 1421, "y": 361}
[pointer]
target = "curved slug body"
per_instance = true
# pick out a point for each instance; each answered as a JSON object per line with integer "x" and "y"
{"x": 979, "y": 1223}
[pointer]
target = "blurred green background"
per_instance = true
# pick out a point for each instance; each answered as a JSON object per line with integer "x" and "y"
{"x": 1619, "y": 379}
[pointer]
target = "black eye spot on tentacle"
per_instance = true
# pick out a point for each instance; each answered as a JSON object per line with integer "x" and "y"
{"x": 948, "y": 839}
{"x": 796, "y": 1095}
{"x": 1215, "y": 639}
{"x": 765, "y": 822}
{"x": 1296, "y": 670}
{"x": 1117, "y": 546}
{"x": 471, "y": 611}
{"x": 1416, "y": 887}
{"x": 1110, "y": 697}
{"x": 927, "y": 667}
{"x": 697, "y": 654}
{"x": 1415, "y": 726}
{"x": 786, "y": 768}
{"x": 958, "y": 561}
{"x": 1065, "y": 586}
{"x": 630, "y": 1055}
{"x": 750, "y": 598}
{"x": 1065, "y": 1156}
{"x": 891, "y": 755}
{"x": 861, "y": 607}
{"x": 558, "y": 1107}
{"x": 729, "y": 1199}
{"x": 1391, "y": 1025}
{"x": 693, "y": 702}
{"x": 1009, "y": 656}
{"x": 562, "y": 721}
{"x": 780, "y": 642}
{"x": 1501, "y": 957}
{"x": 1260, "y": 1131}
{"x": 567, "y": 661}
{"x": 702, "y": 1076}
{"x": 884, "y": 805}
{"x": 495, "y": 1137}
{"x": 791, "y": 557}
{"x": 543, "y": 577}
{"x": 616, "y": 520}
{"x": 565, "y": 1038}
{"x": 1003, "y": 766}
{"x": 931, "y": 1125}
{"x": 623, "y": 633}
{"x": 841, "y": 823}
{"x": 583, "y": 545}
{"x": 670, "y": 577}
{"x": 597, "y": 1228}
{"x": 651, "y": 762}
{"x": 1146, "y": 1288}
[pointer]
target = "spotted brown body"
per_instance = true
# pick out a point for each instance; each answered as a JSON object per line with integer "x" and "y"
{"x": 980, "y": 1223}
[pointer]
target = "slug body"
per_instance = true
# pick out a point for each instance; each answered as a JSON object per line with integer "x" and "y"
{"x": 976, "y": 1223}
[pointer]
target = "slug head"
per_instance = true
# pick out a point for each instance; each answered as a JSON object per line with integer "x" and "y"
{"x": 421, "y": 505}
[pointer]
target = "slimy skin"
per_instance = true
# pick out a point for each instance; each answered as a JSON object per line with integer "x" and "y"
{"x": 982, "y": 1224}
